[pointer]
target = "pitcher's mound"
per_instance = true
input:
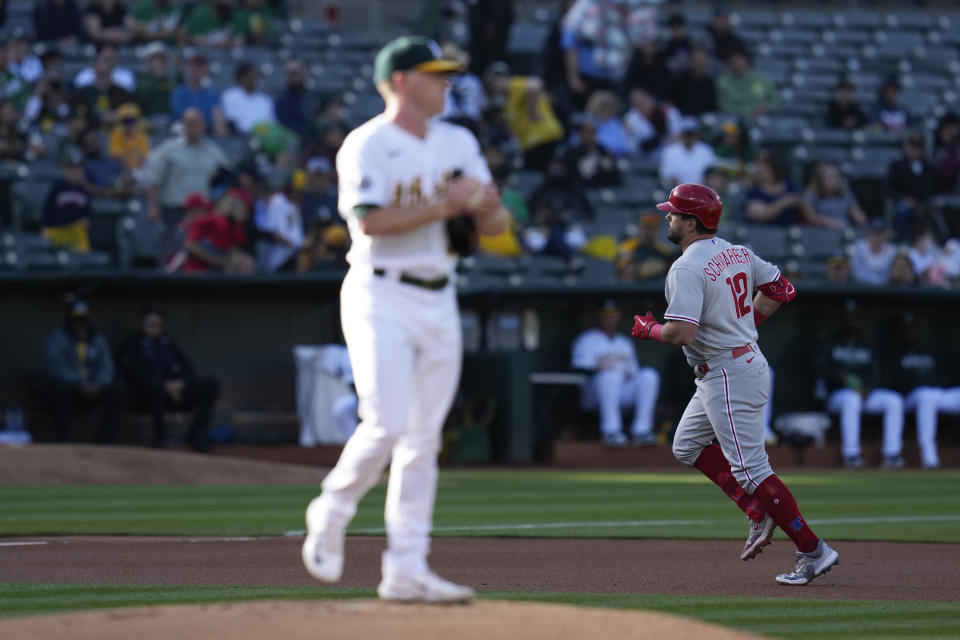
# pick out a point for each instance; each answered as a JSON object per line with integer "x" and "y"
{"x": 334, "y": 619}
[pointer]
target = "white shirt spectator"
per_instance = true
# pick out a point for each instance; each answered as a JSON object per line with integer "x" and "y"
{"x": 245, "y": 110}
{"x": 871, "y": 268}
{"x": 679, "y": 165}
{"x": 641, "y": 130}
{"x": 121, "y": 77}
{"x": 924, "y": 257}
{"x": 30, "y": 69}
{"x": 465, "y": 97}
{"x": 283, "y": 219}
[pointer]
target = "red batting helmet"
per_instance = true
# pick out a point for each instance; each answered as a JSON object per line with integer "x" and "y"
{"x": 697, "y": 200}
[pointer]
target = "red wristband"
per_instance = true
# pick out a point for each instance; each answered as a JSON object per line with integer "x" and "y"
{"x": 758, "y": 318}
{"x": 655, "y": 332}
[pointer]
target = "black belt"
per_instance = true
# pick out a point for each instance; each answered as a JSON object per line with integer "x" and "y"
{"x": 433, "y": 285}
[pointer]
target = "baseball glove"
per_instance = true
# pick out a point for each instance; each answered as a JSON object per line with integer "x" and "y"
{"x": 462, "y": 235}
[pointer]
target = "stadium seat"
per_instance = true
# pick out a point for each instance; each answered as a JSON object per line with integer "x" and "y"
{"x": 27, "y": 198}
{"x": 766, "y": 240}
{"x": 527, "y": 38}
{"x": 138, "y": 242}
{"x": 816, "y": 243}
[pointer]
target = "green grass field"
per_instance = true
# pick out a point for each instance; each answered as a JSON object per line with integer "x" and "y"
{"x": 903, "y": 506}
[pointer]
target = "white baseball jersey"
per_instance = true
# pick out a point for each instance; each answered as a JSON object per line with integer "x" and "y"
{"x": 712, "y": 285}
{"x": 594, "y": 346}
{"x": 383, "y": 165}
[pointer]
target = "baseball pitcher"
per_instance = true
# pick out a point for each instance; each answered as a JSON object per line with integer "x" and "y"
{"x": 403, "y": 175}
{"x": 712, "y": 314}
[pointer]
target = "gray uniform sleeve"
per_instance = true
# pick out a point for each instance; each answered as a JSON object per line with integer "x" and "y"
{"x": 763, "y": 271}
{"x": 684, "y": 296}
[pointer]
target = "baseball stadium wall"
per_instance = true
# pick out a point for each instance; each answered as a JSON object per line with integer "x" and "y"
{"x": 243, "y": 330}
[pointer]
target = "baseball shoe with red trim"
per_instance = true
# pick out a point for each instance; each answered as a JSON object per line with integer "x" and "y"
{"x": 423, "y": 587}
{"x": 810, "y": 565}
{"x": 758, "y": 537}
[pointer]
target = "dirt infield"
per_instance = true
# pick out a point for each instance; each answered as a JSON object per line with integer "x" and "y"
{"x": 877, "y": 571}
{"x": 365, "y": 619}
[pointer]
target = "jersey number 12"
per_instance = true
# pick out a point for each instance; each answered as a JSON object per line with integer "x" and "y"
{"x": 738, "y": 287}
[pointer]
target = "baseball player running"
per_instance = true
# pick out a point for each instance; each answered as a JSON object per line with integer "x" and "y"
{"x": 709, "y": 313}
{"x": 398, "y": 185}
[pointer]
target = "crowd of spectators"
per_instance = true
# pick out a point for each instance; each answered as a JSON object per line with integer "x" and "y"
{"x": 622, "y": 86}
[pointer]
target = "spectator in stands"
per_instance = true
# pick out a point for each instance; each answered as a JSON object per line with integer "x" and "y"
{"x": 555, "y": 230}
{"x": 873, "y": 255}
{"x": 596, "y": 38}
{"x": 774, "y": 199}
{"x": 210, "y": 24}
{"x": 49, "y": 105}
{"x": 910, "y": 182}
{"x": 216, "y": 242}
{"x": 650, "y": 124}
{"x": 320, "y": 198}
{"x": 128, "y": 142}
{"x": 13, "y": 142}
{"x": 644, "y": 256}
{"x": 888, "y": 113}
{"x": 108, "y": 21}
{"x": 329, "y": 112}
{"x": 253, "y": 23}
{"x": 842, "y": 111}
{"x": 686, "y": 160}
{"x": 106, "y": 176}
{"x": 466, "y": 98}
{"x": 924, "y": 255}
{"x": 647, "y": 69}
{"x": 676, "y": 51}
{"x": 735, "y": 151}
{"x": 589, "y": 162}
{"x": 57, "y": 21}
{"x": 850, "y": 374}
{"x": 743, "y": 91}
{"x": 719, "y": 180}
{"x": 325, "y": 247}
{"x": 105, "y": 64}
{"x": 157, "y": 20}
{"x": 175, "y": 253}
{"x": 182, "y": 166}
{"x": 527, "y": 111}
{"x": 80, "y": 374}
{"x": 490, "y": 22}
{"x": 160, "y": 376}
{"x": 20, "y": 60}
{"x": 296, "y": 103}
{"x": 838, "y": 269}
{"x": 327, "y": 142}
{"x": 97, "y": 102}
{"x": 603, "y": 109}
{"x": 561, "y": 186}
{"x": 831, "y": 197}
{"x": 243, "y": 104}
{"x": 616, "y": 380}
{"x": 947, "y": 154}
{"x": 194, "y": 94}
{"x": 949, "y": 262}
{"x": 901, "y": 270}
{"x": 12, "y": 87}
{"x": 725, "y": 42}
{"x": 155, "y": 86}
{"x": 281, "y": 226}
{"x": 66, "y": 211}
{"x": 692, "y": 90}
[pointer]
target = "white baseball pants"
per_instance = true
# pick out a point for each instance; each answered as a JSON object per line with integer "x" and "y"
{"x": 728, "y": 405}
{"x": 406, "y": 354}
{"x": 928, "y": 402}
{"x": 344, "y": 411}
{"x": 849, "y": 404}
{"x": 608, "y": 391}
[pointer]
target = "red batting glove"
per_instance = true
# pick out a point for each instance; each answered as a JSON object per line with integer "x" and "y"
{"x": 646, "y": 327}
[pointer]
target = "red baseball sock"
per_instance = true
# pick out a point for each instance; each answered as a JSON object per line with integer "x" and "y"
{"x": 712, "y": 463}
{"x": 774, "y": 497}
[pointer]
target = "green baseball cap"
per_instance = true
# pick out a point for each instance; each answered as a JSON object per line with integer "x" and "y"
{"x": 411, "y": 53}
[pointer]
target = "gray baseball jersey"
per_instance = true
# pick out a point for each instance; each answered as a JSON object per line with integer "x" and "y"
{"x": 711, "y": 285}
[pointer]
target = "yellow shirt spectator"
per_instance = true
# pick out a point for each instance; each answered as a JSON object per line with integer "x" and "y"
{"x": 528, "y": 113}
{"x": 128, "y": 142}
